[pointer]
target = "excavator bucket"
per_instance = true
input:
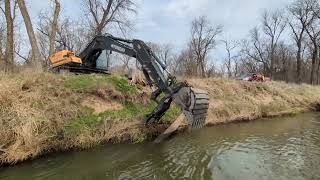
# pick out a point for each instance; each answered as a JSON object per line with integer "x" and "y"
{"x": 195, "y": 103}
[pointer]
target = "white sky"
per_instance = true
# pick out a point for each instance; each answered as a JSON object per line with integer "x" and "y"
{"x": 168, "y": 21}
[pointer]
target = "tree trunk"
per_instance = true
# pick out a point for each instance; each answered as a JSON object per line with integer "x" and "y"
{"x": 9, "y": 54}
{"x": 318, "y": 61}
{"x": 272, "y": 59}
{"x": 318, "y": 73}
{"x": 271, "y": 68}
{"x": 36, "y": 57}
{"x": 285, "y": 71}
{"x": 313, "y": 66}
{"x": 229, "y": 68}
{"x": 229, "y": 64}
{"x": 299, "y": 80}
{"x": 54, "y": 27}
{"x": 203, "y": 71}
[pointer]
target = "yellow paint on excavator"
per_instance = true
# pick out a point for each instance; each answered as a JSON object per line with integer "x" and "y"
{"x": 64, "y": 57}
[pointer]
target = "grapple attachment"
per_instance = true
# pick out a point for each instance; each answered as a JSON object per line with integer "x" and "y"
{"x": 195, "y": 104}
{"x": 198, "y": 109}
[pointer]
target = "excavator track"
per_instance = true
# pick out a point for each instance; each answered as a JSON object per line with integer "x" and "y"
{"x": 197, "y": 112}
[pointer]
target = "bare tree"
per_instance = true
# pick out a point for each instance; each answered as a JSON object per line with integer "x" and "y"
{"x": 313, "y": 31}
{"x": 173, "y": 64}
{"x": 167, "y": 53}
{"x": 212, "y": 69}
{"x": 248, "y": 65}
{"x": 256, "y": 49}
{"x": 43, "y": 35}
{"x": 185, "y": 63}
{"x": 125, "y": 63}
{"x": 301, "y": 17}
{"x": 313, "y": 34}
{"x": 230, "y": 46}
{"x": 105, "y": 12}
{"x": 237, "y": 64}
{"x": 36, "y": 58}
{"x": 203, "y": 39}
{"x": 163, "y": 51}
{"x": 72, "y": 35}
{"x": 2, "y": 44}
{"x": 54, "y": 27}
{"x": 284, "y": 54}
{"x": 273, "y": 25}
{"x": 2, "y": 38}
{"x": 9, "y": 54}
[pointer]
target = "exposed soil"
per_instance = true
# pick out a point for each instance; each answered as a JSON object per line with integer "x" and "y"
{"x": 99, "y": 105}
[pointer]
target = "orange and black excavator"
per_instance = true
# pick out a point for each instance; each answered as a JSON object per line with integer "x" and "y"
{"x": 95, "y": 59}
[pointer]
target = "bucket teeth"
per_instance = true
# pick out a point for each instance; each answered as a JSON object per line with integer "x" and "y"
{"x": 199, "y": 104}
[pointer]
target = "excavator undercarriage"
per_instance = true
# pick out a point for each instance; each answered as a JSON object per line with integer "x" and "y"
{"x": 193, "y": 102}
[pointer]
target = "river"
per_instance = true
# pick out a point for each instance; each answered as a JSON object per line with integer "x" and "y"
{"x": 278, "y": 148}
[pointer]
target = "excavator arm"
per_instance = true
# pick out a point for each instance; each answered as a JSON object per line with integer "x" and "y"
{"x": 193, "y": 102}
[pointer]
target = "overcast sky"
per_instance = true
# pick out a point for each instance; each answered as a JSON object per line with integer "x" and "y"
{"x": 168, "y": 21}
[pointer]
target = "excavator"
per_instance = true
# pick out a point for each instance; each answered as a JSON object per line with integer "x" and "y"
{"x": 193, "y": 102}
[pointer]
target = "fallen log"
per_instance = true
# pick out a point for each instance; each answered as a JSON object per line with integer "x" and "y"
{"x": 174, "y": 127}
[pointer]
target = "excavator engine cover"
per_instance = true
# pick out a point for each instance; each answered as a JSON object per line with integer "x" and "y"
{"x": 64, "y": 57}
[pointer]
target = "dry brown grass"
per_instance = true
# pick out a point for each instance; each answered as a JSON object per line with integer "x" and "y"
{"x": 41, "y": 113}
{"x": 100, "y": 105}
{"x": 232, "y": 100}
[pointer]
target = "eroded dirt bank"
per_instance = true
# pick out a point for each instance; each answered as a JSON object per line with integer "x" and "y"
{"x": 43, "y": 113}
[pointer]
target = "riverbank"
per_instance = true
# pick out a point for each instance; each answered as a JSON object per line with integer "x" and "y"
{"x": 46, "y": 113}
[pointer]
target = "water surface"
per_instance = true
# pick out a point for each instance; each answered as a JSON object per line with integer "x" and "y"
{"x": 280, "y": 148}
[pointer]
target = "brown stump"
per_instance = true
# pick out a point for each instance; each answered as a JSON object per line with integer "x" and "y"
{"x": 174, "y": 126}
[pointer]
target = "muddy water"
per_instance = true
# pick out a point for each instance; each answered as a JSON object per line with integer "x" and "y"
{"x": 281, "y": 148}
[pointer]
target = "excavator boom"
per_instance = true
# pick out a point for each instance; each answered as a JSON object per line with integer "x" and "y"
{"x": 193, "y": 102}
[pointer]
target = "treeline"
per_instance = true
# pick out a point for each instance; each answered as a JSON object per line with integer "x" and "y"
{"x": 284, "y": 45}
{"x": 53, "y": 31}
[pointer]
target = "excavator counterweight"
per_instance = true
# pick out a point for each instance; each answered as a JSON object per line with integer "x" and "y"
{"x": 64, "y": 57}
{"x": 193, "y": 102}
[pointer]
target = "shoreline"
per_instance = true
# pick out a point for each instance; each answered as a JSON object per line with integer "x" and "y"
{"x": 182, "y": 129}
{"x": 45, "y": 113}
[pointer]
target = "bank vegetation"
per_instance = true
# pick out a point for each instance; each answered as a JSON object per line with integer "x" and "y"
{"x": 45, "y": 113}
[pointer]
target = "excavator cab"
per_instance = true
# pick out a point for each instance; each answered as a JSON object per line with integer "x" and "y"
{"x": 194, "y": 103}
{"x": 98, "y": 62}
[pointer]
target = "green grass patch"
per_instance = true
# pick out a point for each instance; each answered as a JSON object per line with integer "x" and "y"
{"x": 121, "y": 84}
{"x": 86, "y": 82}
{"x": 88, "y": 120}
{"x": 172, "y": 113}
{"x": 81, "y": 82}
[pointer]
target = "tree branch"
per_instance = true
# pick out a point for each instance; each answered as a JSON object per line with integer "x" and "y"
{"x": 22, "y": 57}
